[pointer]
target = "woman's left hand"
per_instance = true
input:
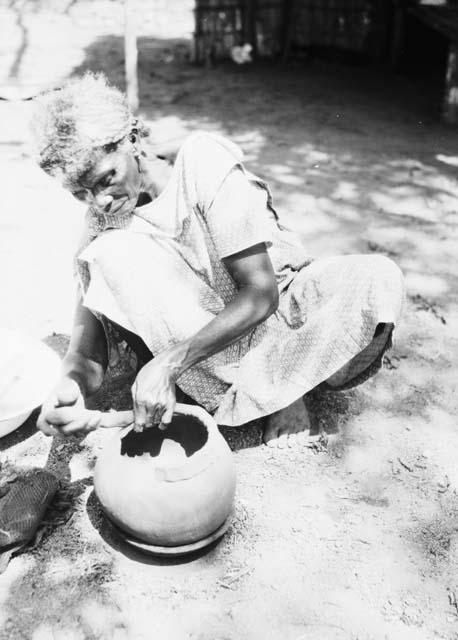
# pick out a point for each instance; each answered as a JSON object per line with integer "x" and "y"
{"x": 153, "y": 394}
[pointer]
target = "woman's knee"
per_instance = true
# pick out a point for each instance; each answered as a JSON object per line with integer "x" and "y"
{"x": 380, "y": 268}
{"x": 387, "y": 271}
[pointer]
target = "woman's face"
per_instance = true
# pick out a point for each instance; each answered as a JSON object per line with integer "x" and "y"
{"x": 112, "y": 185}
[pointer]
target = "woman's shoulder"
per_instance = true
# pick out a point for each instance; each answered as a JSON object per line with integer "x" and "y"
{"x": 199, "y": 143}
{"x": 205, "y": 160}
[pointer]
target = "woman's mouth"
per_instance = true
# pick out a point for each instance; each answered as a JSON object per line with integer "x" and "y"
{"x": 122, "y": 206}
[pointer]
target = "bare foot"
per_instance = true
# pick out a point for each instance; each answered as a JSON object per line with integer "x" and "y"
{"x": 284, "y": 428}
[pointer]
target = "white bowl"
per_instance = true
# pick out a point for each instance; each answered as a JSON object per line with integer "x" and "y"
{"x": 9, "y": 425}
{"x": 28, "y": 372}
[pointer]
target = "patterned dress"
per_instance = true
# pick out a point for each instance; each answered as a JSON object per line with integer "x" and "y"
{"x": 159, "y": 273}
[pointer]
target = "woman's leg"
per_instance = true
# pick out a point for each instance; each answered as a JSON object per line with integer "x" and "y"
{"x": 357, "y": 292}
{"x": 283, "y": 424}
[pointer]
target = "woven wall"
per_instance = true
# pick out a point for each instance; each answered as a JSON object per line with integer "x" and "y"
{"x": 219, "y": 27}
{"x": 355, "y": 25}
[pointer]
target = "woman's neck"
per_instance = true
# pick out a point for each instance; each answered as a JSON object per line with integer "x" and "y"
{"x": 156, "y": 175}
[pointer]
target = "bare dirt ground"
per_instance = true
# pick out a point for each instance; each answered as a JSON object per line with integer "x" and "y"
{"x": 354, "y": 538}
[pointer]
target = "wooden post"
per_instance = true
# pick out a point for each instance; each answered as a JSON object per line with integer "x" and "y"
{"x": 397, "y": 40}
{"x": 379, "y": 33}
{"x": 451, "y": 86}
{"x": 131, "y": 54}
{"x": 287, "y": 28}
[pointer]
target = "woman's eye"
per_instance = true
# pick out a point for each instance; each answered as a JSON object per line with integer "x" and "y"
{"x": 107, "y": 180}
{"x": 79, "y": 195}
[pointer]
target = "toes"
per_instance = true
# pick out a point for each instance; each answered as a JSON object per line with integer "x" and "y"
{"x": 281, "y": 437}
{"x": 271, "y": 439}
{"x": 294, "y": 439}
{"x": 297, "y": 439}
{"x": 282, "y": 441}
{"x": 270, "y": 433}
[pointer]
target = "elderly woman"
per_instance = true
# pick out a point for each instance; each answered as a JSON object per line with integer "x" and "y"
{"x": 192, "y": 266}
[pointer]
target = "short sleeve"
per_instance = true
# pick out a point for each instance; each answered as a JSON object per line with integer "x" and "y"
{"x": 208, "y": 158}
{"x": 239, "y": 217}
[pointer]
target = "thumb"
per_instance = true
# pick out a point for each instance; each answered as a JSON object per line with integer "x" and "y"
{"x": 140, "y": 416}
{"x": 168, "y": 415}
{"x": 44, "y": 426}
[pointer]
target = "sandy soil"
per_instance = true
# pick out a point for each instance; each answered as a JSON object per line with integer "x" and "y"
{"x": 353, "y": 538}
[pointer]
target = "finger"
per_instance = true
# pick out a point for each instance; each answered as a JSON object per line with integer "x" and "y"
{"x": 150, "y": 411}
{"x": 77, "y": 426}
{"x": 116, "y": 419}
{"x": 160, "y": 424}
{"x": 63, "y": 415}
{"x": 158, "y": 413}
{"x": 154, "y": 411}
{"x": 139, "y": 410}
{"x": 140, "y": 416}
{"x": 45, "y": 427}
{"x": 168, "y": 415}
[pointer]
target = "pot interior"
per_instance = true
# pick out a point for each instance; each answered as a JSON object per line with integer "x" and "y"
{"x": 187, "y": 431}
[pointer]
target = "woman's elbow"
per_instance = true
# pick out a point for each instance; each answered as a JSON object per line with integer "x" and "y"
{"x": 275, "y": 299}
{"x": 269, "y": 303}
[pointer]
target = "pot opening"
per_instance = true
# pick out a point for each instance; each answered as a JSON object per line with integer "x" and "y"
{"x": 188, "y": 431}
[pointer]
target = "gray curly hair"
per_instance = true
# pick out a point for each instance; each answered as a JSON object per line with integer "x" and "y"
{"x": 74, "y": 125}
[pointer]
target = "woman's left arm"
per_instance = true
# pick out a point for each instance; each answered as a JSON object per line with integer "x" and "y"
{"x": 256, "y": 300}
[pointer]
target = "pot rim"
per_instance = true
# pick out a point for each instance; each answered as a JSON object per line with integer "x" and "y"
{"x": 201, "y": 459}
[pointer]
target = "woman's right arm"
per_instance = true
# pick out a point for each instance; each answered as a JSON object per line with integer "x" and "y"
{"x": 87, "y": 356}
{"x": 83, "y": 370}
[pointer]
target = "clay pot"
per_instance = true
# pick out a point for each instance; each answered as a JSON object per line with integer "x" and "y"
{"x": 171, "y": 487}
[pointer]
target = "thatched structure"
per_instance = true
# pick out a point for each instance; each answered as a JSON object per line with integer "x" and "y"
{"x": 375, "y": 28}
{"x": 275, "y": 27}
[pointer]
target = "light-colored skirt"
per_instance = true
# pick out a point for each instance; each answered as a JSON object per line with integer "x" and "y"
{"x": 327, "y": 315}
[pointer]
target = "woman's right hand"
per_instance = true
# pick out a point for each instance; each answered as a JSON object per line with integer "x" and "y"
{"x": 64, "y": 412}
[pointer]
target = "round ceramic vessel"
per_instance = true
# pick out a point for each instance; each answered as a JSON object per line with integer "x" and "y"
{"x": 168, "y": 488}
{"x": 177, "y": 550}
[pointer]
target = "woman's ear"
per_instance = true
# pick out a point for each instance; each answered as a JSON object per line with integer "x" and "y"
{"x": 133, "y": 136}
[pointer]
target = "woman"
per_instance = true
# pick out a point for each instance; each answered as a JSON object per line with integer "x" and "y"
{"x": 191, "y": 264}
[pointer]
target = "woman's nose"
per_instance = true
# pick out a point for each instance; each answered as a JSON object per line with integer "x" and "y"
{"x": 103, "y": 202}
